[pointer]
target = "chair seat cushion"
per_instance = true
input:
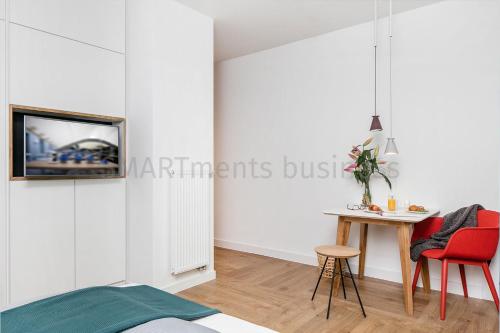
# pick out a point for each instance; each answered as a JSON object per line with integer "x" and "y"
{"x": 433, "y": 253}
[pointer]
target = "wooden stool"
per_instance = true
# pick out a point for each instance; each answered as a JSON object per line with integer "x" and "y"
{"x": 337, "y": 252}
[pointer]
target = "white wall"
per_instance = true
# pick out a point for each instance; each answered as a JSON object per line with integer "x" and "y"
{"x": 170, "y": 109}
{"x": 312, "y": 99}
{"x": 139, "y": 97}
{"x": 65, "y": 55}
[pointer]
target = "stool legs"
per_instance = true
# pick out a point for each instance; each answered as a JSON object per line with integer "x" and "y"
{"x": 332, "y": 283}
{"x": 319, "y": 279}
{"x": 355, "y": 288}
{"x": 342, "y": 277}
{"x": 331, "y": 289}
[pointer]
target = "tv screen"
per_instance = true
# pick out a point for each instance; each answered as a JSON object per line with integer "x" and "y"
{"x": 59, "y": 147}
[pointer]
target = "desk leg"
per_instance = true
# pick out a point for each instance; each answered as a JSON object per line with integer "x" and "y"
{"x": 404, "y": 253}
{"x": 363, "y": 234}
{"x": 343, "y": 229}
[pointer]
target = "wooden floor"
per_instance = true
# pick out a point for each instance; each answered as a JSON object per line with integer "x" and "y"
{"x": 276, "y": 294}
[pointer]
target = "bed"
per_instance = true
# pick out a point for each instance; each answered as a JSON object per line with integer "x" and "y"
{"x": 223, "y": 323}
{"x": 206, "y": 320}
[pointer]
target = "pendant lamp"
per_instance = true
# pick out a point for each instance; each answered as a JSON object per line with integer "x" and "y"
{"x": 376, "y": 125}
{"x": 390, "y": 148}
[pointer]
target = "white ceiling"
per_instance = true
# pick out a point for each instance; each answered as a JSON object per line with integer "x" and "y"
{"x": 247, "y": 26}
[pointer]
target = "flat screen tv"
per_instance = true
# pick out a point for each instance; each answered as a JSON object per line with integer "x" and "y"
{"x": 70, "y": 148}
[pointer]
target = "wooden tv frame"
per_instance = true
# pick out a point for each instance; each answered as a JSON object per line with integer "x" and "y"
{"x": 68, "y": 115}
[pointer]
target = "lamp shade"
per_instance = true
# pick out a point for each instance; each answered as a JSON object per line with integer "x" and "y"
{"x": 391, "y": 148}
{"x": 376, "y": 125}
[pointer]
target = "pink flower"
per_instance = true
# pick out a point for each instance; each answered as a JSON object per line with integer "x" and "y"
{"x": 354, "y": 157}
{"x": 351, "y": 167}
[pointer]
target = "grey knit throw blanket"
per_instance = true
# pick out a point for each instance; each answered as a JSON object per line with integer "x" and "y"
{"x": 464, "y": 217}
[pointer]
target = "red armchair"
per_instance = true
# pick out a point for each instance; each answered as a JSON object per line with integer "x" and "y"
{"x": 467, "y": 246}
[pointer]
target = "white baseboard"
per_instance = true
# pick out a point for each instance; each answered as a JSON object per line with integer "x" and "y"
{"x": 189, "y": 282}
{"x": 454, "y": 287}
{"x": 268, "y": 252}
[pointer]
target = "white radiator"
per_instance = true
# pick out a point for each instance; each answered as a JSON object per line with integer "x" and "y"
{"x": 190, "y": 220}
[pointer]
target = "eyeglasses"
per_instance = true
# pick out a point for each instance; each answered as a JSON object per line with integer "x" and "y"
{"x": 356, "y": 207}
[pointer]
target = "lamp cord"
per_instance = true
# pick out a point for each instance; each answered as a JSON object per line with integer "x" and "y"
{"x": 375, "y": 17}
{"x": 390, "y": 63}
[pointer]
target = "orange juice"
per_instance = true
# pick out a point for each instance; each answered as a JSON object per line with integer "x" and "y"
{"x": 391, "y": 203}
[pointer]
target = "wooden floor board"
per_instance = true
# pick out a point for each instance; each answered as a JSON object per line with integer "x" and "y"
{"x": 276, "y": 294}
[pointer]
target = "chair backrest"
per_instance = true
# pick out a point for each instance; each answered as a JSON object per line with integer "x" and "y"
{"x": 487, "y": 218}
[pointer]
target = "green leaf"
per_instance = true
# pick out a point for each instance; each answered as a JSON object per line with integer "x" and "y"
{"x": 386, "y": 179}
{"x": 361, "y": 159}
{"x": 356, "y": 176}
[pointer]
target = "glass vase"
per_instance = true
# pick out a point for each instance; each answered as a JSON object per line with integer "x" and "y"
{"x": 367, "y": 196}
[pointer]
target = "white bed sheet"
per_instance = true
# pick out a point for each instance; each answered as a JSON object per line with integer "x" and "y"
{"x": 228, "y": 324}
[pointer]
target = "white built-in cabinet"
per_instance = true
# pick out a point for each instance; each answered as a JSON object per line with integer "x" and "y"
{"x": 2, "y": 9}
{"x": 100, "y": 232}
{"x": 97, "y": 22}
{"x": 59, "y": 235}
{"x": 3, "y": 167}
{"x": 42, "y": 237}
{"x": 72, "y": 237}
{"x": 54, "y": 72}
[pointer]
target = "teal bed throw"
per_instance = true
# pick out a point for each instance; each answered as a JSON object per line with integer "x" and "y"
{"x": 99, "y": 310}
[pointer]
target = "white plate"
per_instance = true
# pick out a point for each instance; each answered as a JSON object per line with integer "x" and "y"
{"x": 374, "y": 212}
{"x": 416, "y": 212}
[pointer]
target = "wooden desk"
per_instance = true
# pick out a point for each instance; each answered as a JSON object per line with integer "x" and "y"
{"x": 403, "y": 222}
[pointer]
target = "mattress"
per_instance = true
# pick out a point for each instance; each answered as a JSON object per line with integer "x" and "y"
{"x": 228, "y": 324}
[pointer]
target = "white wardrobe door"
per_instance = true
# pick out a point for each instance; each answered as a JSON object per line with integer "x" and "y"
{"x": 2, "y": 9}
{"x": 97, "y": 22}
{"x": 3, "y": 172}
{"x": 100, "y": 232}
{"x": 42, "y": 238}
{"x": 49, "y": 71}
